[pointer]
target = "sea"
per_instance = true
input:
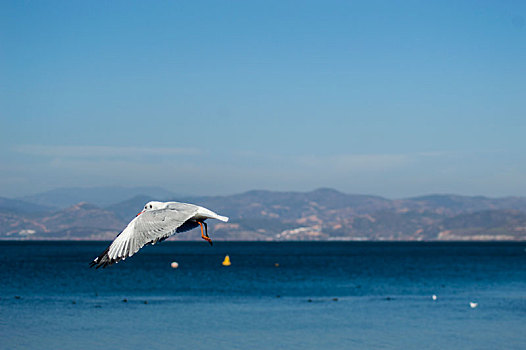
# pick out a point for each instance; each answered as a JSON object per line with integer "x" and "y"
{"x": 274, "y": 295}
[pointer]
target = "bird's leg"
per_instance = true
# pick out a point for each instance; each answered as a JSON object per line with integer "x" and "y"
{"x": 206, "y": 238}
{"x": 206, "y": 229}
{"x": 206, "y": 233}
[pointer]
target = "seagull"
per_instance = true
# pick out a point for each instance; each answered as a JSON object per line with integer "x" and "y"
{"x": 155, "y": 223}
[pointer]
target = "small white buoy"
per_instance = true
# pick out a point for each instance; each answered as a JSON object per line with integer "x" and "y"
{"x": 434, "y": 297}
{"x": 473, "y": 305}
{"x": 174, "y": 265}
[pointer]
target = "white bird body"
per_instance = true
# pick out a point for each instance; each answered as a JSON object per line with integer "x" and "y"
{"x": 156, "y": 222}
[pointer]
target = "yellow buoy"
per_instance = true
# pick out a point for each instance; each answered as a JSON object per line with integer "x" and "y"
{"x": 226, "y": 262}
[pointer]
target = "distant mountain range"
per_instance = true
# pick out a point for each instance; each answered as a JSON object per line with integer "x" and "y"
{"x": 61, "y": 198}
{"x": 323, "y": 214}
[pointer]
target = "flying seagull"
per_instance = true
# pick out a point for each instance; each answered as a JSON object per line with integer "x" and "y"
{"x": 155, "y": 223}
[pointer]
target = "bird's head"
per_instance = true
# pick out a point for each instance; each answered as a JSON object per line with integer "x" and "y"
{"x": 153, "y": 205}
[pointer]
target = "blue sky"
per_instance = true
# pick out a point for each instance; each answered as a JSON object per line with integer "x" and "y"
{"x": 216, "y": 97}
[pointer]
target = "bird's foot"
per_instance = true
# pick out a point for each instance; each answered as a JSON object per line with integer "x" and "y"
{"x": 208, "y": 239}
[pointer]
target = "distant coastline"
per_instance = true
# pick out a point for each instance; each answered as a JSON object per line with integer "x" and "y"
{"x": 320, "y": 215}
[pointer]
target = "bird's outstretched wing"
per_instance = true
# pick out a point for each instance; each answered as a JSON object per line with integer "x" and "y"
{"x": 149, "y": 227}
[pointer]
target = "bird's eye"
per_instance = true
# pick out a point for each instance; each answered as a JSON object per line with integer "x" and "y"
{"x": 150, "y": 206}
{"x": 145, "y": 207}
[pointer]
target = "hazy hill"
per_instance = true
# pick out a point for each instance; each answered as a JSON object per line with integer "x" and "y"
{"x": 501, "y": 224}
{"x": 322, "y": 214}
{"x": 101, "y": 196}
{"x": 18, "y": 206}
{"x": 80, "y": 221}
{"x": 454, "y": 204}
{"x": 292, "y": 205}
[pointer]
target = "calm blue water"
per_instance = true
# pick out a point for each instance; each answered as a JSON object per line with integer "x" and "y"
{"x": 328, "y": 295}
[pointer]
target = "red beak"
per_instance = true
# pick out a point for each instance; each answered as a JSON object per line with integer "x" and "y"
{"x": 138, "y": 214}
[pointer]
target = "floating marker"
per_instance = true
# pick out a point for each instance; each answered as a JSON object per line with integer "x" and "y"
{"x": 174, "y": 265}
{"x": 434, "y": 297}
{"x": 276, "y": 264}
{"x": 226, "y": 262}
{"x": 473, "y": 305}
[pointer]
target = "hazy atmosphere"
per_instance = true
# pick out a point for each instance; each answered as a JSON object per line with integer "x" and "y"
{"x": 211, "y": 97}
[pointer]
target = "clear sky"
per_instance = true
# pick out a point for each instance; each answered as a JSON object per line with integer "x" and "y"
{"x": 394, "y": 98}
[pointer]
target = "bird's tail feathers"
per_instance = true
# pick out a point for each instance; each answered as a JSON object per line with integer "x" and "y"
{"x": 222, "y": 218}
{"x": 207, "y": 213}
